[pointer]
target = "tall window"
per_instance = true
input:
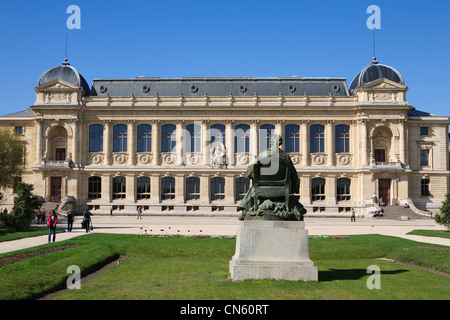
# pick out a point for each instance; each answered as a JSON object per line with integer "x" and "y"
{"x": 143, "y": 188}
{"x": 342, "y": 138}
{"x": 144, "y": 138}
{"x": 242, "y": 138}
{"x": 120, "y": 138}
{"x": 424, "y": 156}
{"x": 96, "y": 138}
{"x": 194, "y": 138}
{"x": 168, "y": 138}
{"x": 217, "y": 188}
{"x": 192, "y": 188}
{"x": 292, "y": 138}
{"x": 318, "y": 189}
{"x": 119, "y": 188}
{"x": 242, "y": 186}
{"x": 343, "y": 189}
{"x": 218, "y": 133}
{"x": 425, "y": 187}
{"x": 265, "y": 135}
{"x": 94, "y": 188}
{"x": 167, "y": 188}
{"x": 317, "y": 138}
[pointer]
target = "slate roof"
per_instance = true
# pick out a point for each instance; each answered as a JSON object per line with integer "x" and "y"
{"x": 28, "y": 113}
{"x": 220, "y": 86}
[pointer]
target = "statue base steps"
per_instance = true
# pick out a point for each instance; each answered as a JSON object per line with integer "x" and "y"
{"x": 272, "y": 250}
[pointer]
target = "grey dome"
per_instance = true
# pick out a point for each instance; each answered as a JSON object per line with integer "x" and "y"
{"x": 375, "y": 71}
{"x": 67, "y": 73}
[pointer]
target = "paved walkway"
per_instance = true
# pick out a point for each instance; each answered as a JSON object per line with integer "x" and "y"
{"x": 229, "y": 225}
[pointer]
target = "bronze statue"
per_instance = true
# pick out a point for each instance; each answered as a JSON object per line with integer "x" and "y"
{"x": 275, "y": 180}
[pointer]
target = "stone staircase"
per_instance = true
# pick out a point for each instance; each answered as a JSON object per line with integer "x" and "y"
{"x": 400, "y": 213}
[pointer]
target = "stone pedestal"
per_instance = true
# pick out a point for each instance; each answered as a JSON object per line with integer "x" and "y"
{"x": 272, "y": 250}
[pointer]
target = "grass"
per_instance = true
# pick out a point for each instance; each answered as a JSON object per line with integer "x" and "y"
{"x": 197, "y": 269}
{"x": 431, "y": 233}
{"x": 30, "y": 232}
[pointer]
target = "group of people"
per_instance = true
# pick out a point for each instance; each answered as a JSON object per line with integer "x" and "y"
{"x": 52, "y": 221}
{"x": 379, "y": 213}
{"x": 40, "y": 216}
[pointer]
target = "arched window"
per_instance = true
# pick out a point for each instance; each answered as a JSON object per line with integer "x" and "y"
{"x": 96, "y": 138}
{"x": 119, "y": 188}
{"x": 292, "y": 138}
{"x": 343, "y": 189}
{"x": 143, "y": 188}
{"x": 265, "y": 135}
{"x": 120, "y": 138}
{"x": 194, "y": 138}
{"x": 342, "y": 138}
{"x": 217, "y": 188}
{"x": 218, "y": 133}
{"x": 242, "y": 186}
{"x": 192, "y": 188}
{"x": 242, "y": 138}
{"x": 317, "y": 138}
{"x": 94, "y": 188}
{"x": 167, "y": 188}
{"x": 144, "y": 138}
{"x": 317, "y": 189}
{"x": 168, "y": 138}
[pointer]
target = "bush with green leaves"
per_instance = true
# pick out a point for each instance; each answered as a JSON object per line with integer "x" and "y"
{"x": 443, "y": 218}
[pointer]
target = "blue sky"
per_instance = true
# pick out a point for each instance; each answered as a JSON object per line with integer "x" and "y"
{"x": 176, "y": 38}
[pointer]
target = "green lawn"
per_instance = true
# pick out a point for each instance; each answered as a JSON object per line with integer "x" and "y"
{"x": 30, "y": 232}
{"x": 431, "y": 233}
{"x": 197, "y": 269}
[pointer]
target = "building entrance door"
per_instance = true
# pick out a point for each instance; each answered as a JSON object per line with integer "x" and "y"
{"x": 60, "y": 154}
{"x": 55, "y": 189}
{"x": 384, "y": 190}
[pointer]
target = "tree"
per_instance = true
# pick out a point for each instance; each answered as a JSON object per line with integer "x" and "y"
{"x": 26, "y": 205}
{"x": 11, "y": 158}
{"x": 444, "y": 217}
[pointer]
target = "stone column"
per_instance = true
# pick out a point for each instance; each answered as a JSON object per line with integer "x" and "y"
{"x": 107, "y": 141}
{"x": 180, "y": 147}
{"x": 156, "y": 143}
{"x": 329, "y": 142}
{"x": 39, "y": 141}
{"x": 402, "y": 141}
{"x": 229, "y": 141}
{"x": 364, "y": 154}
{"x": 132, "y": 142}
{"x": 330, "y": 191}
{"x": 75, "y": 139}
{"x": 205, "y": 186}
{"x": 131, "y": 188}
{"x": 106, "y": 188}
{"x": 304, "y": 139}
{"x": 179, "y": 188}
{"x": 229, "y": 189}
{"x": 155, "y": 182}
{"x": 205, "y": 143}
{"x": 305, "y": 189}
{"x": 254, "y": 141}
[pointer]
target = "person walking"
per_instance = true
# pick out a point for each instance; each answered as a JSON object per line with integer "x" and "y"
{"x": 87, "y": 220}
{"x": 139, "y": 211}
{"x": 51, "y": 224}
{"x": 353, "y": 218}
{"x": 70, "y": 220}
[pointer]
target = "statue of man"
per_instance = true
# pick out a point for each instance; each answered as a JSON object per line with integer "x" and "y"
{"x": 273, "y": 153}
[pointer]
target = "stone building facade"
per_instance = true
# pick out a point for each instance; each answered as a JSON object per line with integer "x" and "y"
{"x": 182, "y": 145}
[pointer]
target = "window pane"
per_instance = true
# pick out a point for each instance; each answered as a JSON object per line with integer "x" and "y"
{"x": 168, "y": 138}
{"x": 342, "y": 138}
{"x": 317, "y": 137}
{"x": 96, "y": 138}
{"x": 120, "y": 138}
{"x": 265, "y": 135}
{"x": 292, "y": 138}
{"x": 144, "y": 138}
{"x": 242, "y": 138}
